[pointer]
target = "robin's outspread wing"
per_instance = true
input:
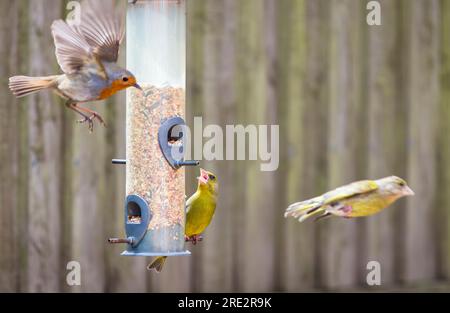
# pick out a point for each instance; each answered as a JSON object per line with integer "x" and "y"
{"x": 72, "y": 50}
{"x": 96, "y": 39}
{"x": 103, "y": 28}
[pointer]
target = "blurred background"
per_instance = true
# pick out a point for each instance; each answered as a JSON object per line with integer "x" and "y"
{"x": 353, "y": 101}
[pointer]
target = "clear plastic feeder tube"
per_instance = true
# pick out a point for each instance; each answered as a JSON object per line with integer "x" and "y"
{"x": 156, "y": 55}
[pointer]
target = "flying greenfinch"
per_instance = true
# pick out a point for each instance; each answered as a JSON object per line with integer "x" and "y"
{"x": 200, "y": 208}
{"x": 87, "y": 54}
{"x": 361, "y": 198}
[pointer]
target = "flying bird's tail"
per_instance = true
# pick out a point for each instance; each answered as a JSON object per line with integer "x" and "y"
{"x": 24, "y": 85}
{"x": 157, "y": 264}
{"x": 305, "y": 209}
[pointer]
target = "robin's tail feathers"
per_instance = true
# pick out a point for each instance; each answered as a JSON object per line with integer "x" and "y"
{"x": 157, "y": 264}
{"x": 22, "y": 86}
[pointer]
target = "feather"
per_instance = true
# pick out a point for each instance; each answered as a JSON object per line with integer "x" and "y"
{"x": 350, "y": 190}
{"x": 103, "y": 28}
{"x": 157, "y": 264}
{"x": 24, "y": 85}
{"x": 96, "y": 39}
{"x": 72, "y": 49}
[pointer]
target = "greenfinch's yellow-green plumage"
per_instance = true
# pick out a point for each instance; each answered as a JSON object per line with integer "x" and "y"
{"x": 361, "y": 198}
{"x": 200, "y": 208}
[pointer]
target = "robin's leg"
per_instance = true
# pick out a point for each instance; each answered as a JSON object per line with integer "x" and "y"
{"x": 94, "y": 115}
{"x": 73, "y": 106}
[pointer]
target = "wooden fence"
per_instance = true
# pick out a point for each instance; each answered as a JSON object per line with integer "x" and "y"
{"x": 353, "y": 101}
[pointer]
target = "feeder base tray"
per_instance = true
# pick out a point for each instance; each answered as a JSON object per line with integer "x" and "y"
{"x": 130, "y": 253}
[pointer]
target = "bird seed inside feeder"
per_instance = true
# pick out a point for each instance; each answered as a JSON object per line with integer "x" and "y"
{"x": 149, "y": 175}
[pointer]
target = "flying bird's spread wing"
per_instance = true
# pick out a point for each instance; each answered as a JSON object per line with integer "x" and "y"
{"x": 72, "y": 49}
{"x": 349, "y": 190}
{"x": 103, "y": 28}
{"x": 317, "y": 205}
{"x": 96, "y": 39}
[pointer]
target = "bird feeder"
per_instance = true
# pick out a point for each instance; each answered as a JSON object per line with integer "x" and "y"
{"x": 154, "y": 209}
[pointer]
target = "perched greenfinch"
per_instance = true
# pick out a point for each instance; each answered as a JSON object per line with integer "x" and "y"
{"x": 87, "y": 54}
{"x": 200, "y": 208}
{"x": 361, "y": 198}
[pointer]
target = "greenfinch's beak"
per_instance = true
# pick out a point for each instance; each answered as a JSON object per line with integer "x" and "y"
{"x": 137, "y": 86}
{"x": 203, "y": 178}
{"x": 408, "y": 191}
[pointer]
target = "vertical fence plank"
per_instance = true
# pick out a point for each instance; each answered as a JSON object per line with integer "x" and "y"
{"x": 44, "y": 226}
{"x": 281, "y": 115}
{"x": 315, "y": 118}
{"x": 239, "y": 168}
{"x": 261, "y": 184}
{"x": 23, "y": 131}
{"x": 251, "y": 96}
{"x": 10, "y": 230}
{"x": 385, "y": 138}
{"x": 87, "y": 203}
{"x": 423, "y": 93}
{"x": 345, "y": 132}
{"x": 443, "y": 147}
{"x": 269, "y": 203}
{"x": 297, "y": 256}
{"x": 218, "y": 52}
{"x": 206, "y": 259}
{"x": 66, "y": 177}
{"x": 249, "y": 74}
{"x": 196, "y": 25}
{"x": 225, "y": 97}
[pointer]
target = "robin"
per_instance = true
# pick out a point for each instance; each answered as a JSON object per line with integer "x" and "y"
{"x": 87, "y": 54}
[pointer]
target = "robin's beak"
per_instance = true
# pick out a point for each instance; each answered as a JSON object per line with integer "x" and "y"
{"x": 137, "y": 86}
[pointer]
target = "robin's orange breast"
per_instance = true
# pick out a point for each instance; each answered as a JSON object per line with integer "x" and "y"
{"x": 116, "y": 86}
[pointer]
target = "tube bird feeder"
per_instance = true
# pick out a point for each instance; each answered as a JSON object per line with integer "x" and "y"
{"x": 155, "y": 179}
